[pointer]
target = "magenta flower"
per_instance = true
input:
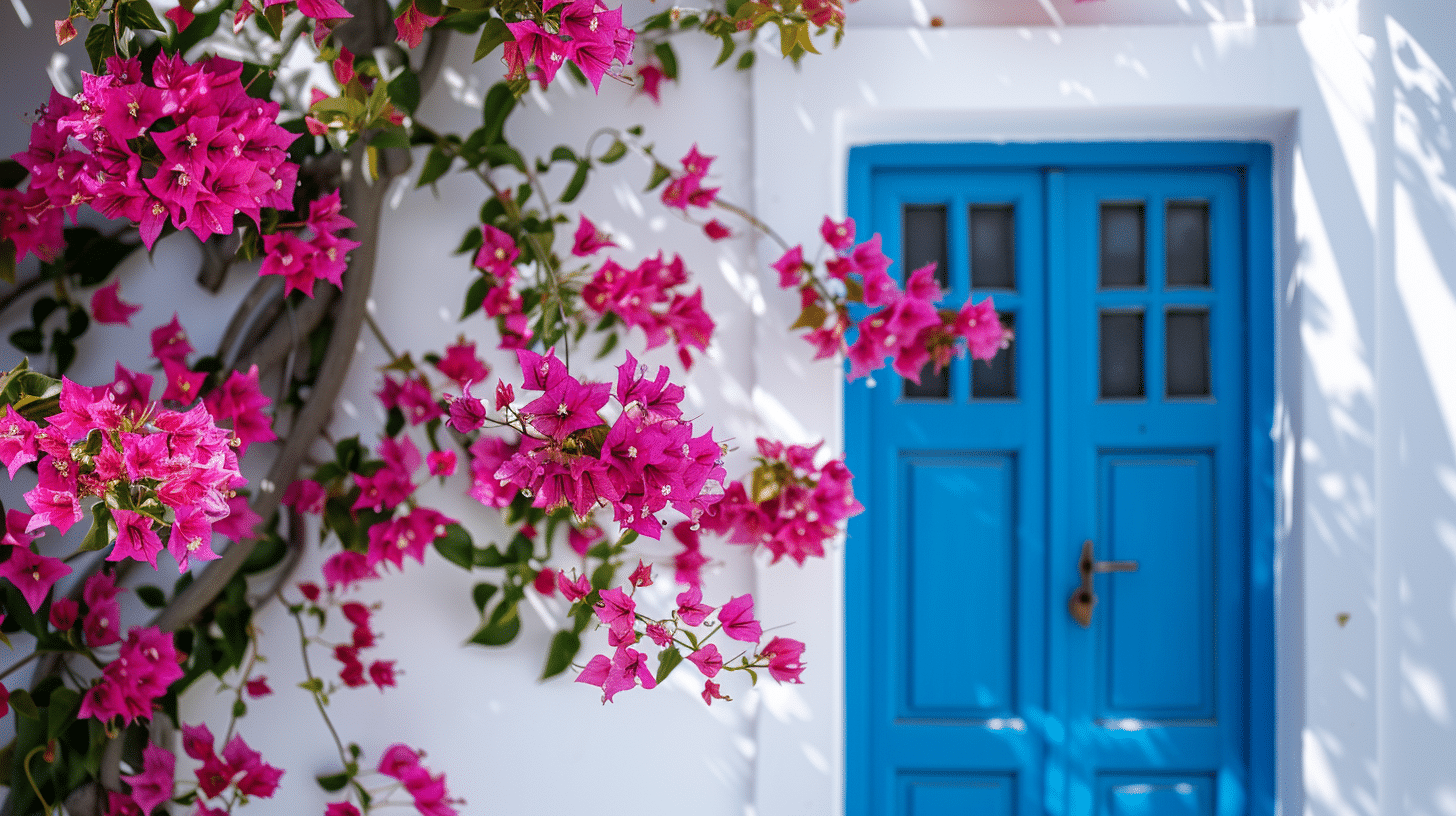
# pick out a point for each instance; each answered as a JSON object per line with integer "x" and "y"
{"x": 381, "y": 673}
{"x": 341, "y": 809}
{"x": 588, "y": 240}
{"x": 169, "y": 342}
{"x": 690, "y": 607}
{"x": 440, "y": 463}
{"x": 305, "y": 496}
{"x": 711, "y": 692}
{"x": 617, "y": 610}
{"x": 785, "y": 662}
{"x": 344, "y": 569}
{"x": 716, "y": 231}
{"x": 461, "y": 364}
{"x": 258, "y": 686}
{"x": 838, "y": 235}
{"x": 108, "y": 307}
{"x": 410, "y": 25}
{"x": 642, "y": 576}
{"x": 17, "y": 440}
{"x": 32, "y": 574}
{"x": 573, "y": 590}
{"x": 64, "y": 612}
{"x": 153, "y": 786}
{"x": 708, "y": 660}
{"x": 736, "y": 618}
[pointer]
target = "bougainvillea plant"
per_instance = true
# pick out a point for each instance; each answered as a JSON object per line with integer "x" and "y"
{"x": 163, "y": 135}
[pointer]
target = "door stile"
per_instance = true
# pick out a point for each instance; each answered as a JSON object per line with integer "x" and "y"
{"x": 1058, "y": 579}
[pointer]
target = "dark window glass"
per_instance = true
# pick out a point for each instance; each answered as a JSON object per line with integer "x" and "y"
{"x": 932, "y": 385}
{"x": 1121, "y": 354}
{"x": 993, "y": 246}
{"x": 1187, "y": 353}
{"x": 1122, "y": 231}
{"x": 925, "y": 240}
{"x": 997, "y": 379}
{"x": 1186, "y": 229}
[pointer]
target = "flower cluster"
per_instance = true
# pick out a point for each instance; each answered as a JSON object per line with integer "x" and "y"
{"x": 906, "y": 327}
{"x": 131, "y": 683}
{"x": 648, "y": 297}
{"x": 185, "y": 145}
{"x": 153, "y": 466}
{"x": 323, "y": 255}
{"x": 238, "y": 766}
{"x": 686, "y": 188}
{"x": 790, "y": 506}
{"x": 644, "y": 461}
{"x": 588, "y": 35}
{"x": 627, "y": 668}
{"x": 428, "y": 790}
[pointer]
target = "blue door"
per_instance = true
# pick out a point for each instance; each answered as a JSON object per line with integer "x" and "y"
{"x": 1058, "y": 601}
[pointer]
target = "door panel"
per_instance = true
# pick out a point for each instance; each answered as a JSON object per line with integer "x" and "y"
{"x": 1121, "y": 420}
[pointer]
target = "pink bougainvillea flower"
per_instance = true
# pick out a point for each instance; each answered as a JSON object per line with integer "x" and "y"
{"x": 341, "y": 809}
{"x": 64, "y": 612}
{"x": 651, "y": 76}
{"x": 790, "y": 267}
{"x": 839, "y": 235}
{"x": 153, "y": 786}
{"x": 17, "y": 440}
{"x": 617, "y": 610}
{"x": 32, "y": 574}
{"x": 784, "y": 659}
{"x": 345, "y": 569}
{"x": 573, "y": 590}
{"x": 108, "y": 307}
{"x": 258, "y": 686}
{"x": 411, "y": 23}
{"x": 504, "y": 393}
{"x": 690, "y": 607}
{"x": 588, "y": 240}
{"x": 191, "y": 537}
{"x": 711, "y": 692}
{"x": 440, "y": 463}
{"x": 708, "y": 660}
{"x": 135, "y": 538}
{"x": 737, "y": 620}
{"x": 169, "y": 342}
{"x": 642, "y": 576}
{"x": 716, "y": 231}
{"x": 240, "y": 521}
{"x": 183, "y": 384}
{"x": 305, "y": 496}
{"x": 545, "y": 581}
{"x": 381, "y": 673}
{"x": 461, "y": 364}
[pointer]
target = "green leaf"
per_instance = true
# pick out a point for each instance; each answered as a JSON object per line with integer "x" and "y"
{"x": 660, "y": 173}
{"x": 456, "y": 546}
{"x": 502, "y": 628}
{"x": 390, "y": 137}
{"x": 502, "y": 153}
{"x": 430, "y": 8}
{"x": 601, "y": 577}
{"x": 437, "y": 164}
{"x": 7, "y": 261}
{"x": 153, "y": 597}
{"x": 499, "y": 102}
{"x": 492, "y": 35}
{"x": 668, "y": 58}
{"x": 404, "y": 91}
{"x": 22, "y": 703}
{"x": 578, "y": 181}
{"x": 333, "y": 782}
{"x": 240, "y": 709}
{"x": 853, "y": 290}
{"x": 563, "y": 153}
{"x": 272, "y": 20}
{"x": 30, "y": 341}
{"x": 99, "y": 45}
{"x": 489, "y": 557}
{"x": 481, "y": 594}
{"x": 812, "y": 317}
{"x": 267, "y": 554}
{"x": 667, "y": 661}
{"x": 729, "y": 45}
{"x": 138, "y": 14}
{"x": 614, "y": 153}
{"x": 61, "y": 711}
{"x": 564, "y": 646}
{"x": 745, "y": 61}
{"x": 98, "y": 536}
{"x": 199, "y": 29}
{"x": 475, "y": 296}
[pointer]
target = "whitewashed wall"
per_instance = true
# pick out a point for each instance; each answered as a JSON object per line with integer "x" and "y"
{"x": 1358, "y": 101}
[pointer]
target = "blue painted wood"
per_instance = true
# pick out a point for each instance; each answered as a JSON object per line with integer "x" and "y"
{"x": 954, "y": 795}
{"x": 962, "y": 658}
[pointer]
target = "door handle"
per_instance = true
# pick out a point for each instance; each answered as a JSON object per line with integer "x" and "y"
{"x": 1084, "y": 598}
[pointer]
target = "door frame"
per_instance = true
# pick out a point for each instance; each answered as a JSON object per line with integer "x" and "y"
{"x": 1254, "y": 160}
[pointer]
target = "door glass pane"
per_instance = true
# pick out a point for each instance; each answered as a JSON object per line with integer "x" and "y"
{"x": 932, "y": 385}
{"x": 1122, "y": 230}
{"x": 1187, "y": 239}
{"x": 997, "y": 379}
{"x": 1187, "y": 353}
{"x": 925, "y": 240}
{"x": 993, "y": 246}
{"x": 1120, "y": 369}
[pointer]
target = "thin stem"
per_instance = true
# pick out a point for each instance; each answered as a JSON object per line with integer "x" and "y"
{"x": 21, "y": 662}
{"x": 33, "y": 786}
{"x": 379, "y": 335}
{"x": 753, "y": 221}
{"x": 314, "y": 681}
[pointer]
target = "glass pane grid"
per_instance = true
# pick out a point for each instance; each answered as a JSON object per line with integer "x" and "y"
{"x": 926, "y": 241}
{"x": 992, "y": 233}
{"x": 1186, "y": 244}
{"x": 1122, "y": 238}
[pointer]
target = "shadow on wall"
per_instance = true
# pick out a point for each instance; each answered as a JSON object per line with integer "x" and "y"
{"x": 1418, "y": 475}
